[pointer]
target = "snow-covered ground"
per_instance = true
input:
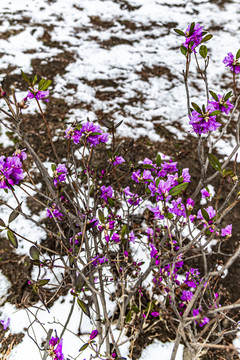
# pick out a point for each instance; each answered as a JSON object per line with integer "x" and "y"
{"x": 145, "y": 39}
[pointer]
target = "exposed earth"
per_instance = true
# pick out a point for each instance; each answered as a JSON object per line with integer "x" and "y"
{"x": 112, "y": 99}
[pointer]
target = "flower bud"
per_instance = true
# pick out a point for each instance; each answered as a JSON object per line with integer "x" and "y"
{"x": 94, "y": 334}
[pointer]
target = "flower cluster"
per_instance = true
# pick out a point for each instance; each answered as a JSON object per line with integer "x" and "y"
{"x": 55, "y": 351}
{"x": 38, "y": 95}
{"x": 60, "y": 174}
{"x": 107, "y": 192}
{"x": 193, "y": 38}
{"x": 11, "y": 172}
{"x": 204, "y": 122}
{"x": 221, "y": 104}
{"x": 117, "y": 160}
{"x": 234, "y": 64}
{"x": 54, "y": 211}
{"x": 92, "y": 134}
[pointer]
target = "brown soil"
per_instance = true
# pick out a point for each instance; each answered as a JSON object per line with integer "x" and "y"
{"x": 185, "y": 152}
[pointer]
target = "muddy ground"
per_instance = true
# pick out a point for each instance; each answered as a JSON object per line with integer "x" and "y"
{"x": 183, "y": 151}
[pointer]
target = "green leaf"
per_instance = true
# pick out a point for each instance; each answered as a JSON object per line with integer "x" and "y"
{"x": 84, "y": 307}
{"x": 121, "y": 358}
{"x": 148, "y": 166}
{"x": 158, "y": 161}
{"x": 80, "y": 282}
{"x": 124, "y": 230}
{"x": 183, "y": 50}
{"x": 34, "y": 253}
{"x": 53, "y": 167}
{"x": 216, "y": 112}
{"x": 44, "y": 84}
{"x": 111, "y": 202}
{"x": 206, "y": 38}
{"x": 203, "y": 51}
{"x": 179, "y": 32}
{"x": 214, "y": 162}
{"x": 197, "y": 108}
{"x": 227, "y": 96}
{"x": 238, "y": 54}
{"x": 101, "y": 216}
{"x": 129, "y": 316}
{"x": 2, "y": 223}
{"x": 176, "y": 190}
{"x": 192, "y": 26}
{"x": 25, "y": 77}
{"x": 205, "y": 214}
{"x": 14, "y": 214}
{"x": 83, "y": 347}
{"x": 12, "y": 238}
{"x": 43, "y": 282}
{"x": 135, "y": 309}
{"x": 35, "y": 262}
{"x": 214, "y": 95}
{"x": 228, "y": 172}
{"x": 34, "y": 80}
{"x": 95, "y": 133}
{"x": 203, "y": 109}
{"x": 169, "y": 216}
{"x": 157, "y": 182}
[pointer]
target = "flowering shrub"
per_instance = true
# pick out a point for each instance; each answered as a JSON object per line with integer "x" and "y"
{"x": 92, "y": 213}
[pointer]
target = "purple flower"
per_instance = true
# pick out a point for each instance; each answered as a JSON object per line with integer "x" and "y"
{"x": 60, "y": 174}
{"x": 178, "y": 208}
{"x": 204, "y": 321}
{"x": 227, "y": 231}
{"x": 190, "y": 204}
{"x": 195, "y": 312}
{"x": 118, "y": 160}
{"x": 211, "y": 213}
{"x": 93, "y": 334}
{"x": 20, "y": 154}
{"x": 154, "y": 252}
{"x": 132, "y": 237}
{"x": 205, "y": 194}
{"x": 106, "y": 192}
{"x": 54, "y": 212}
{"x": 56, "y": 353}
{"x": 223, "y": 106}
{"x": 10, "y": 171}
{"x": 99, "y": 260}
{"x": 136, "y": 176}
{"x": 169, "y": 167}
{"x": 5, "y": 323}
{"x": 155, "y": 314}
{"x": 147, "y": 161}
{"x": 116, "y": 238}
{"x": 53, "y": 341}
{"x": 134, "y": 198}
{"x": 39, "y": 95}
{"x": 190, "y": 281}
{"x": 193, "y": 40}
{"x": 92, "y": 133}
{"x": 158, "y": 214}
{"x": 232, "y": 63}
{"x": 186, "y": 295}
{"x": 185, "y": 175}
{"x": 203, "y": 123}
